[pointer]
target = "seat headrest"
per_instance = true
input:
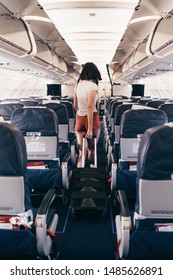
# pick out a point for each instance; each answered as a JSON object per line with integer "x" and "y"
{"x": 13, "y": 155}
{"x": 6, "y": 109}
{"x": 168, "y": 109}
{"x": 155, "y": 154}
{"x": 29, "y": 103}
{"x": 114, "y": 106}
{"x": 60, "y": 110}
{"x": 119, "y": 112}
{"x": 70, "y": 108}
{"x": 36, "y": 119}
{"x": 134, "y": 122}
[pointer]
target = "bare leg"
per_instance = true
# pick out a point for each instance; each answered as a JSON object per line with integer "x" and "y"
{"x": 79, "y": 136}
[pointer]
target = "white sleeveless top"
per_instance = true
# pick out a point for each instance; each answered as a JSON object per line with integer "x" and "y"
{"x": 82, "y": 90}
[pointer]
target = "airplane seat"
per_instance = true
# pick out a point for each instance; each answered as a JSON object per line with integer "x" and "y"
{"x": 111, "y": 102}
{"x": 109, "y": 124}
{"x": 112, "y": 126}
{"x": 155, "y": 103}
{"x": 135, "y": 98}
{"x": 112, "y": 140}
{"x": 168, "y": 109}
{"x": 144, "y": 100}
{"x": 112, "y": 150}
{"x": 67, "y": 150}
{"x": 39, "y": 99}
{"x": 108, "y": 108}
{"x": 29, "y": 103}
{"x": 7, "y": 108}
{"x": 39, "y": 126}
{"x": 55, "y": 97}
{"x": 133, "y": 124}
{"x": 149, "y": 234}
{"x": 23, "y": 235}
{"x": 117, "y": 119}
{"x": 111, "y": 110}
{"x": 72, "y": 117}
{"x": 63, "y": 125}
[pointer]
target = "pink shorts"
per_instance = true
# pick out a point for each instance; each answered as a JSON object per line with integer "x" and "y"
{"x": 82, "y": 123}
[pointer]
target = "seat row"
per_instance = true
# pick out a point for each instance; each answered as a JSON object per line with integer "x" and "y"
{"x": 37, "y": 157}
{"x": 139, "y": 162}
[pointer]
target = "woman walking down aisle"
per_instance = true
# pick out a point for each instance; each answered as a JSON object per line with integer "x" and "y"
{"x": 87, "y": 117}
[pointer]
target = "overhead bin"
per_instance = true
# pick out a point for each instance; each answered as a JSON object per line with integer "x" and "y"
{"x": 126, "y": 65}
{"x": 24, "y": 7}
{"x": 138, "y": 60}
{"x": 16, "y": 37}
{"x": 30, "y": 43}
{"x": 62, "y": 65}
{"x": 50, "y": 44}
{"x": 55, "y": 60}
{"x": 141, "y": 59}
{"x": 138, "y": 57}
{"x": 43, "y": 56}
{"x": 161, "y": 40}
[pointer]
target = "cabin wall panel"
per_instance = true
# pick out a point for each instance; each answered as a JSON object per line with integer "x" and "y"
{"x": 14, "y": 84}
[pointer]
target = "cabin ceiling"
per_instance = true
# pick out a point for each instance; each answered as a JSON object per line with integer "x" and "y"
{"x": 140, "y": 30}
{"x": 129, "y": 39}
{"x": 93, "y": 29}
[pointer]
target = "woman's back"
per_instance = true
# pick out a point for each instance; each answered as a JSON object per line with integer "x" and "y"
{"x": 82, "y": 90}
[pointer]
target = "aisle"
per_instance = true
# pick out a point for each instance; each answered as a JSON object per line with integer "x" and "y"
{"x": 89, "y": 237}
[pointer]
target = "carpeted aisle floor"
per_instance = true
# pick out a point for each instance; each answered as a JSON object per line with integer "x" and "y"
{"x": 89, "y": 236}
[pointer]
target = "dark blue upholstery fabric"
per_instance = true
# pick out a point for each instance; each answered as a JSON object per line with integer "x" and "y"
{"x": 70, "y": 108}
{"x": 114, "y": 105}
{"x": 126, "y": 180}
{"x": 43, "y": 179}
{"x": 60, "y": 110}
{"x": 168, "y": 109}
{"x": 36, "y": 119}
{"x": 155, "y": 156}
{"x": 155, "y": 103}
{"x": 45, "y": 121}
{"x": 12, "y": 151}
{"x": 119, "y": 112}
{"x": 17, "y": 244}
{"x": 135, "y": 122}
{"x": 151, "y": 245}
{"x": 13, "y": 156}
{"x": 7, "y": 109}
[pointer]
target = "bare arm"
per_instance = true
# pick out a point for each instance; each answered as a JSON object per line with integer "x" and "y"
{"x": 90, "y": 105}
{"x": 75, "y": 101}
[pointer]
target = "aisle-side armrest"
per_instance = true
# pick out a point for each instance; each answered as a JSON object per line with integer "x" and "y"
{"x": 44, "y": 240}
{"x": 123, "y": 226}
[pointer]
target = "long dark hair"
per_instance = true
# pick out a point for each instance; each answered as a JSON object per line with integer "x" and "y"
{"x": 90, "y": 72}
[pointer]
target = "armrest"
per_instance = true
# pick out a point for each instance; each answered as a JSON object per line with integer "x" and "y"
{"x": 114, "y": 168}
{"x": 66, "y": 170}
{"x": 123, "y": 226}
{"x": 44, "y": 241}
{"x": 66, "y": 158}
{"x": 124, "y": 206}
{"x": 46, "y": 202}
